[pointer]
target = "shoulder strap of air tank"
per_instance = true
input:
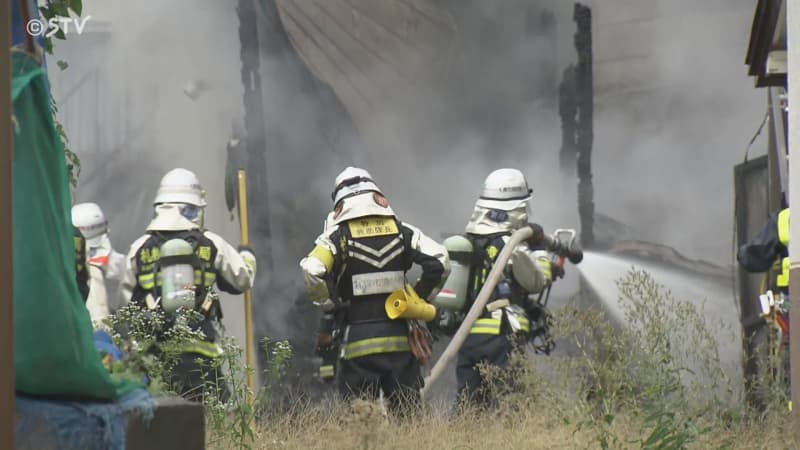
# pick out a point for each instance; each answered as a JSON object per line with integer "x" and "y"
{"x": 195, "y": 237}
{"x": 342, "y": 239}
{"x": 476, "y": 263}
{"x": 407, "y": 260}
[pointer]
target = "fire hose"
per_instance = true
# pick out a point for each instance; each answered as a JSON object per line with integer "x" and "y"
{"x": 552, "y": 244}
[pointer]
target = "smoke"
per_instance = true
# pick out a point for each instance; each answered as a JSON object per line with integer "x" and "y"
{"x": 472, "y": 88}
{"x": 674, "y": 112}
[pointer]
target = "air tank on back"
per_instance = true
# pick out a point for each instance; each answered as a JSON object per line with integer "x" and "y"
{"x": 453, "y": 295}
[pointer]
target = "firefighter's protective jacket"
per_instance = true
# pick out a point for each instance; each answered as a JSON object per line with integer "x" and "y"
{"x": 363, "y": 256}
{"x": 97, "y": 303}
{"x": 769, "y": 246}
{"x": 222, "y": 263}
{"x": 103, "y": 263}
{"x": 81, "y": 271}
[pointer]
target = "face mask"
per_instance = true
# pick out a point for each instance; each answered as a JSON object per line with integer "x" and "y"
{"x": 190, "y": 212}
{"x": 193, "y": 213}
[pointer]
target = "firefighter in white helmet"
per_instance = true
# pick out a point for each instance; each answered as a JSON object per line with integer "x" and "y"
{"x": 359, "y": 260}
{"x": 501, "y": 209}
{"x": 179, "y": 214}
{"x": 102, "y": 260}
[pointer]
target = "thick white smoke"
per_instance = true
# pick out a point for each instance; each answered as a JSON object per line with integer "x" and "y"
{"x": 674, "y": 110}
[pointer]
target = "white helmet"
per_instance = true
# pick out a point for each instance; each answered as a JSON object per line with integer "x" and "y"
{"x": 180, "y": 186}
{"x": 504, "y": 189}
{"x": 89, "y": 218}
{"x": 352, "y": 181}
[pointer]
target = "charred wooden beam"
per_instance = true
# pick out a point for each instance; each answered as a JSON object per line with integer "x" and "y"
{"x": 584, "y": 130}
{"x": 567, "y": 109}
{"x": 255, "y": 141}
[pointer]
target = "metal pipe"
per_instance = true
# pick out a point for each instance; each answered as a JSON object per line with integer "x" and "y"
{"x": 477, "y": 308}
{"x": 793, "y": 79}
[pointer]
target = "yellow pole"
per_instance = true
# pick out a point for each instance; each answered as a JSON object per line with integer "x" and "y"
{"x": 248, "y": 318}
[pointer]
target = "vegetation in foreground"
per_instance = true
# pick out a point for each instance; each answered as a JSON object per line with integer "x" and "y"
{"x": 656, "y": 384}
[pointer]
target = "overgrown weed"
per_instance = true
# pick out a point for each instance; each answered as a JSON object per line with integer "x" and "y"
{"x": 657, "y": 383}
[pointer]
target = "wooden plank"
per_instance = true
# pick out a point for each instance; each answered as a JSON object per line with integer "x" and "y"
{"x": 392, "y": 41}
{"x": 369, "y": 63}
{"x": 372, "y": 54}
{"x": 324, "y": 55}
{"x": 385, "y": 45}
{"x": 421, "y": 24}
{"x": 345, "y": 86}
{"x": 369, "y": 74}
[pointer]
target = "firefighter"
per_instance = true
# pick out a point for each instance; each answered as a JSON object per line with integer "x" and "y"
{"x": 501, "y": 209}
{"x": 81, "y": 272}
{"x": 359, "y": 260}
{"x": 769, "y": 247}
{"x": 767, "y": 250}
{"x": 179, "y": 213}
{"x": 328, "y": 348}
{"x": 103, "y": 262}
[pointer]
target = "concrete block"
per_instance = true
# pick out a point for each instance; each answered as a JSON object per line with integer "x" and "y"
{"x": 177, "y": 423}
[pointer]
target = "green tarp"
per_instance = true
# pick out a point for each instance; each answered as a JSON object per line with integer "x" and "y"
{"x": 54, "y": 354}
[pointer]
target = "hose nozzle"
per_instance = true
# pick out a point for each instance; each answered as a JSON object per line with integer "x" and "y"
{"x": 564, "y": 243}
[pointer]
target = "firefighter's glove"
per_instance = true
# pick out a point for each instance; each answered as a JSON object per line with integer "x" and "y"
{"x": 249, "y": 257}
{"x": 535, "y": 312}
{"x": 556, "y": 270}
{"x": 538, "y": 234}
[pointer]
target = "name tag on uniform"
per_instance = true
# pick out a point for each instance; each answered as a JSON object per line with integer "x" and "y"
{"x": 378, "y": 283}
{"x": 372, "y": 226}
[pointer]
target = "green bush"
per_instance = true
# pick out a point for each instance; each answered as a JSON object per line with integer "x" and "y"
{"x": 146, "y": 336}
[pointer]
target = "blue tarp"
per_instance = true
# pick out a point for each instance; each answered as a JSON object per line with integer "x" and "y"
{"x": 17, "y": 25}
{"x": 78, "y": 425}
{"x": 105, "y": 345}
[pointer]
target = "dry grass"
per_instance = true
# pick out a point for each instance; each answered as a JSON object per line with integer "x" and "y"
{"x": 617, "y": 389}
{"x": 363, "y": 426}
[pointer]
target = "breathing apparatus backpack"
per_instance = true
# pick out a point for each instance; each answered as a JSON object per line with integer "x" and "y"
{"x": 180, "y": 271}
{"x": 453, "y": 295}
{"x": 471, "y": 260}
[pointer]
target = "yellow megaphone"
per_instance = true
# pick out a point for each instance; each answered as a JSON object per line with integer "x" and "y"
{"x": 406, "y": 304}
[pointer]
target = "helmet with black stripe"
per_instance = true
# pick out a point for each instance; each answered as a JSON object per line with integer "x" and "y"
{"x": 353, "y": 181}
{"x": 504, "y": 189}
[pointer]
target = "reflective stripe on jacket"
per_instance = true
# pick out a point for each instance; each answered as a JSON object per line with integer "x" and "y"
{"x": 204, "y": 348}
{"x": 376, "y": 345}
{"x": 490, "y": 325}
{"x": 783, "y": 238}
